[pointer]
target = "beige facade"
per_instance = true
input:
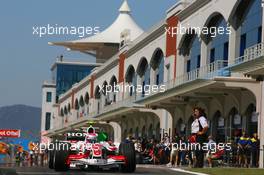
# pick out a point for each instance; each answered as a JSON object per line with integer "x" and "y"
{"x": 230, "y": 90}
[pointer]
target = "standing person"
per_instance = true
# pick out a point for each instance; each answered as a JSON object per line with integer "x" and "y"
{"x": 243, "y": 150}
{"x": 211, "y": 149}
{"x": 254, "y": 147}
{"x": 199, "y": 129}
{"x": 167, "y": 145}
{"x": 174, "y": 154}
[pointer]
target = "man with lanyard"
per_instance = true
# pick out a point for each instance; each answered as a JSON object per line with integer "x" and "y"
{"x": 199, "y": 129}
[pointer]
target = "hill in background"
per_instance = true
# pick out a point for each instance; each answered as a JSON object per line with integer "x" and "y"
{"x": 26, "y": 118}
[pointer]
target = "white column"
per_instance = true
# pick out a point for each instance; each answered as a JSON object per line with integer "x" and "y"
{"x": 117, "y": 132}
{"x": 260, "y": 110}
{"x": 169, "y": 68}
{"x": 234, "y": 45}
{"x": 180, "y": 67}
{"x": 166, "y": 121}
{"x": 152, "y": 77}
{"x": 204, "y": 53}
{"x": 125, "y": 91}
{"x": 139, "y": 83}
{"x": 262, "y": 40}
{"x": 92, "y": 108}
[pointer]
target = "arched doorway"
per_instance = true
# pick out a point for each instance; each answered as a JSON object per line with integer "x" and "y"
{"x": 131, "y": 80}
{"x": 143, "y": 132}
{"x": 143, "y": 72}
{"x": 246, "y": 18}
{"x": 181, "y": 127}
{"x": 131, "y": 132}
{"x": 158, "y": 134}
{"x": 98, "y": 99}
{"x": 190, "y": 48}
{"x": 157, "y": 65}
{"x": 136, "y": 133}
{"x": 252, "y": 120}
{"x": 234, "y": 123}
{"x": 189, "y": 126}
{"x": 86, "y": 100}
{"x": 113, "y": 83}
{"x": 218, "y": 44}
{"x": 218, "y": 127}
{"x": 150, "y": 131}
{"x": 81, "y": 102}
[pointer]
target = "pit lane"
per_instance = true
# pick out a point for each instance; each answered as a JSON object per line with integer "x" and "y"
{"x": 141, "y": 170}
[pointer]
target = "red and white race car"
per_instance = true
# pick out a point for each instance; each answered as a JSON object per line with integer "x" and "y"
{"x": 89, "y": 150}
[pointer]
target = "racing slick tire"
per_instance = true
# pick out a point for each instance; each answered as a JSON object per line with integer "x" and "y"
{"x": 61, "y": 157}
{"x": 128, "y": 150}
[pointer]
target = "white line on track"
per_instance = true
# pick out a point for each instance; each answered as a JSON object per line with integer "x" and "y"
{"x": 188, "y": 172}
{"x": 36, "y": 173}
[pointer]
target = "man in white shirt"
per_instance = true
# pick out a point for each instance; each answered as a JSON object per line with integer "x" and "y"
{"x": 199, "y": 129}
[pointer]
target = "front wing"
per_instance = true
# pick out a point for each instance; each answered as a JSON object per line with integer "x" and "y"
{"x": 111, "y": 160}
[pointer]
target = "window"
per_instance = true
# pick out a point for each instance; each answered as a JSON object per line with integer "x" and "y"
{"x": 47, "y": 123}
{"x": 259, "y": 34}
{"x": 243, "y": 41}
{"x": 198, "y": 61}
{"x": 48, "y": 97}
{"x": 188, "y": 65}
{"x": 226, "y": 52}
{"x": 212, "y": 55}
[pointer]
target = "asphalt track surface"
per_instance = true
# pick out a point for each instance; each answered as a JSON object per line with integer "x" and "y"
{"x": 141, "y": 170}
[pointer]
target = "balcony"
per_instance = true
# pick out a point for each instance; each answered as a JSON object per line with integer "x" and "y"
{"x": 128, "y": 102}
{"x": 217, "y": 68}
{"x": 252, "y": 62}
{"x": 252, "y": 59}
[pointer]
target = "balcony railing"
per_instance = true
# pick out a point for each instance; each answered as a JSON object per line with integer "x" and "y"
{"x": 206, "y": 72}
{"x": 123, "y": 103}
{"x": 251, "y": 53}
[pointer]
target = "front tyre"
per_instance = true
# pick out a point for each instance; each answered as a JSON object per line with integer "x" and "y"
{"x": 61, "y": 157}
{"x": 128, "y": 150}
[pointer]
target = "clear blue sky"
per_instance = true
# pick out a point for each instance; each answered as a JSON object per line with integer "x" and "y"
{"x": 25, "y": 59}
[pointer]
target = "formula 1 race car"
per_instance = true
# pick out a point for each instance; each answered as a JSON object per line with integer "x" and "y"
{"x": 89, "y": 150}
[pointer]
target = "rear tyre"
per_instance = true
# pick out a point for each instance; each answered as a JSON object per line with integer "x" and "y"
{"x": 128, "y": 150}
{"x": 61, "y": 157}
